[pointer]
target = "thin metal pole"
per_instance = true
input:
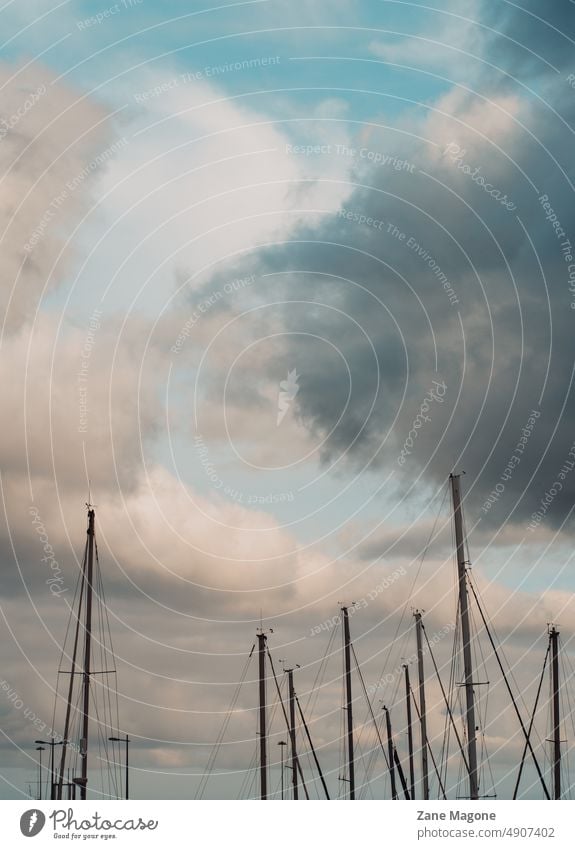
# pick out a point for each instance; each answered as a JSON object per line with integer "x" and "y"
{"x": 263, "y": 733}
{"x": 466, "y": 638}
{"x": 390, "y": 753}
{"x": 87, "y": 654}
{"x": 554, "y": 637}
{"x": 282, "y": 744}
{"x": 39, "y": 749}
{"x": 52, "y": 776}
{"x": 128, "y": 741}
{"x": 292, "y": 732}
{"x": 510, "y": 691}
{"x": 422, "y": 711}
{"x": 72, "y": 678}
{"x": 531, "y": 722}
{"x": 348, "y": 699}
{"x": 409, "y": 734}
{"x": 401, "y": 773}
{"x": 308, "y": 735}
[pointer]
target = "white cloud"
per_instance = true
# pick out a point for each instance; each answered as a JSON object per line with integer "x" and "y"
{"x": 50, "y": 135}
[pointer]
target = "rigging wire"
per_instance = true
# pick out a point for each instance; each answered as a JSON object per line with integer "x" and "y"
{"x": 501, "y": 649}
{"x": 252, "y": 772}
{"x": 298, "y": 765}
{"x": 430, "y": 750}
{"x": 482, "y": 701}
{"x": 566, "y": 711}
{"x": 103, "y": 693}
{"x": 314, "y": 692}
{"x": 312, "y": 748}
{"x": 414, "y": 582}
{"x": 531, "y": 722}
{"x": 450, "y": 715}
{"x": 512, "y": 697}
{"x": 216, "y": 748}
{"x": 78, "y": 594}
{"x": 375, "y": 725}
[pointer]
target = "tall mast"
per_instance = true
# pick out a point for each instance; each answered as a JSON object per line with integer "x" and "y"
{"x": 348, "y": 700}
{"x": 422, "y": 710}
{"x": 282, "y": 744}
{"x": 466, "y": 638}
{"x": 390, "y": 753}
{"x": 60, "y": 783}
{"x": 292, "y": 736}
{"x": 87, "y": 653}
{"x": 554, "y": 638}
{"x": 263, "y": 732}
{"x": 409, "y": 734}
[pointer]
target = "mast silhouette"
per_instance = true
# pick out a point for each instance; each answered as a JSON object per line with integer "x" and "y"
{"x": 262, "y": 716}
{"x": 409, "y": 733}
{"x": 348, "y": 702}
{"x": 81, "y": 699}
{"x": 390, "y": 753}
{"x": 466, "y": 638}
{"x": 556, "y": 712}
{"x": 422, "y": 708}
{"x": 87, "y": 655}
{"x": 292, "y": 735}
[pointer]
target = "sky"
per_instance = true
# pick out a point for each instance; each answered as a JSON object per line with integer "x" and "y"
{"x": 271, "y": 272}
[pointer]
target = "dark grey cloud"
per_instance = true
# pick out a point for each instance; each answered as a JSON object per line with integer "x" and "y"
{"x": 533, "y": 39}
{"x": 504, "y": 349}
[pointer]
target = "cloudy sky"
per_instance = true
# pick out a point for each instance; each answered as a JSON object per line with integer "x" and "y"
{"x": 271, "y": 271}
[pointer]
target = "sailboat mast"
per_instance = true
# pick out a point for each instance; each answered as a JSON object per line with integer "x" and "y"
{"x": 409, "y": 733}
{"x": 263, "y": 731}
{"x": 422, "y": 709}
{"x": 390, "y": 753}
{"x": 292, "y": 736}
{"x": 554, "y": 638}
{"x": 60, "y": 782}
{"x": 87, "y": 653}
{"x": 348, "y": 700}
{"x": 466, "y": 638}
